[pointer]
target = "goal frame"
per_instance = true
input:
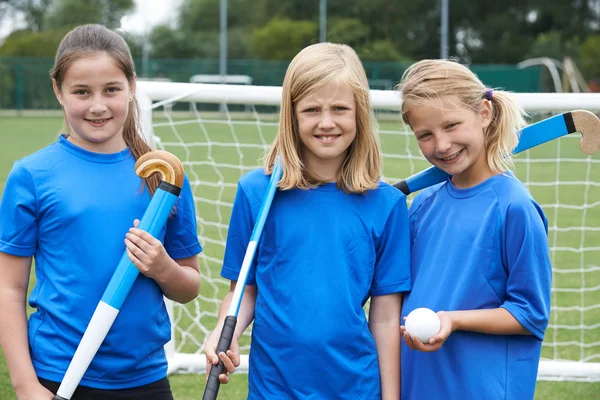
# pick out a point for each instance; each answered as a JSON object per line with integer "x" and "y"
{"x": 152, "y": 95}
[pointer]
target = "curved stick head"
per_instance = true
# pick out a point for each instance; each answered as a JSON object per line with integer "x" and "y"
{"x": 163, "y": 162}
{"x": 588, "y": 124}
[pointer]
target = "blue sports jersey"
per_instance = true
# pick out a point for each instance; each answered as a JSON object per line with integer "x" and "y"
{"x": 322, "y": 254}
{"x": 70, "y": 209}
{"x": 483, "y": 247}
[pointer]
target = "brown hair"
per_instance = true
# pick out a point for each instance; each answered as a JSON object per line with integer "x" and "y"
{"x": 86, "y": 41}
{"x": 313, "y": 68}
{"x": 429, "y": 80}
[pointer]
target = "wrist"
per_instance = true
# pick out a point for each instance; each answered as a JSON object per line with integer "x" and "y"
{"x": 455, "y": 321}
{"x": 163, "y": 275}
{"x": 21, "y": 385}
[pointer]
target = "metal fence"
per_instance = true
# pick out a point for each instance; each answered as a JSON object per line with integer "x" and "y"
{"x": 25, "y": 83}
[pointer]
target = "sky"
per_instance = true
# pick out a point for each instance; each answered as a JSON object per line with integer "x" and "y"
{"x": 147, "y": 14}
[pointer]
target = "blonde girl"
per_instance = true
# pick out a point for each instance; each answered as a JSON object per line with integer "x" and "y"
{"x": 335, "y": 236}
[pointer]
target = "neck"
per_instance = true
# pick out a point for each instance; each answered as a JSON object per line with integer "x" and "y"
{"x": 472, "y": 177}
{"x": 324, "y": 170}
{"x": 113, "y": 145}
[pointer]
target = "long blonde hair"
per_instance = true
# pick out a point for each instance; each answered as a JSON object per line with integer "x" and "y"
{"x": 89, "y": 40}
{"x": 313, "y": 68}
{"x": 429, "y": 80}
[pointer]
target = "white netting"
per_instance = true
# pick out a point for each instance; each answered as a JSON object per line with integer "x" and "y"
{"x": 217, "y": 145}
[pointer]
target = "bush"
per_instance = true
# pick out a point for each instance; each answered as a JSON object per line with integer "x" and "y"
{"x": 33, "y": 44}
{"x": 282, "y": 39}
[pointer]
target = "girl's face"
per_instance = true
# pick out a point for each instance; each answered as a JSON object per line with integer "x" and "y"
{"x": 327, "y": 126}
{"x": 451, "y": 137}
{"x": 95, "y": 95}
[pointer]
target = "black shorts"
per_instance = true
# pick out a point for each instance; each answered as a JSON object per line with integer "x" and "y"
{"x": 159, "y": 390}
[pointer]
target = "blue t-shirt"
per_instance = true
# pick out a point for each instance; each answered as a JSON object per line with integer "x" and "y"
{"x": 70, "y": 209}
{"x": 322, "y": 254}
{"x": 483, "y": 247}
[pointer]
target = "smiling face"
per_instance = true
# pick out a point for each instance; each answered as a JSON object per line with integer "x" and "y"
{"x": 95, "y": 95}
{"x": 451, "y": 137}
{"x": 327, "y": 126}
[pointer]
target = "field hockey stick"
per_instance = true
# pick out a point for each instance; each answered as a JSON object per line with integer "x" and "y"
{"x": 582, "y": 121}
{"x": 153, "y": 220}
{"x": 212, "y": 385}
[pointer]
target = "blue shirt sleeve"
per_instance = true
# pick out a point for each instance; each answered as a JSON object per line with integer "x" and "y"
{"x": 412, "y": 218}
{"x": 181, "y": 240}
{"x": 418, "y": 201}
{"x": 392, "y": 267}
{"x": 526, "y": 254}
{"x": 18, "y": 208}
{"x": 238, "y": 237}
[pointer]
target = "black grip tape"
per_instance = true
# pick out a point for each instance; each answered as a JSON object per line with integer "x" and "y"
{"x": 213, "y": 383}
{"x": 569, "y": 123}
{"x": 402, "y": 186}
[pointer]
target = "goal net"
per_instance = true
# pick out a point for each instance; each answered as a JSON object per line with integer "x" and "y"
{"x": 220, "y": 132}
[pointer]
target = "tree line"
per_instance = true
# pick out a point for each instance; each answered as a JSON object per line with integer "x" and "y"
{"x": 481, "y": 32}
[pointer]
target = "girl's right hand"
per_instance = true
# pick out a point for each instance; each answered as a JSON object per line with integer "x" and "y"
{"x": 231, "y": 359}
{"x": 35, "y": 391}
{"x": 436, "y": 341}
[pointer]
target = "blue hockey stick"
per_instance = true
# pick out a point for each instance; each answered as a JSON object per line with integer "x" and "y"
{"x": 585, "y": 122}
{"x": 213, "y": 383}
{"x": 123, "y": 278}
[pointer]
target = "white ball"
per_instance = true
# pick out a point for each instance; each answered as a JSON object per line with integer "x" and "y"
{"x": 422, "y": 323}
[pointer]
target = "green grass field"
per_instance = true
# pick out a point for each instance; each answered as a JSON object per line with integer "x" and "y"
{"x": 577, "y": 282}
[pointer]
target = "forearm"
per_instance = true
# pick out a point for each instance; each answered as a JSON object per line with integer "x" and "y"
{"x": 13, "y": 338}
{"x": 384, "y": 323}
{"x": 496, "y": 321}
{"x": 180, "y": 282}
{"x": 246, "y": 312}
{"x": 387, "y": 340}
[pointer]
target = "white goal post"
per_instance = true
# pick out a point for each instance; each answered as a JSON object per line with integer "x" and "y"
{"x": 217, "y": 146}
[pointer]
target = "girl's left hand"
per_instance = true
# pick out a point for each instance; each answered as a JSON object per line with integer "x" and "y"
{"x": 436, "y": 341}
{"x": 146, "y": 252}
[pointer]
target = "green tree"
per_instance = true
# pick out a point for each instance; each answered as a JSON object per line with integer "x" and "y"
{"x": 350, "y": 31}
{"x": 135, "y": 43}
{"x": 479, "y": 32}
{"x": 77, "y": 12}
{"x": 282, "y": 39}
{"x": 572, "y": 17}
{"x": 173, "y": 43}
{"x": 203, "y": 17}
{"x": 199, "y": 16}
{"x": 290, "y": 9}
{"x": 590, "y": 57}
{"x": 32, "y": 44}
{"x": 34, "y": 12}
{"x": 380, "y": 50}
{"x": 553, "y": 44}
{"x": 506, "y": 31}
